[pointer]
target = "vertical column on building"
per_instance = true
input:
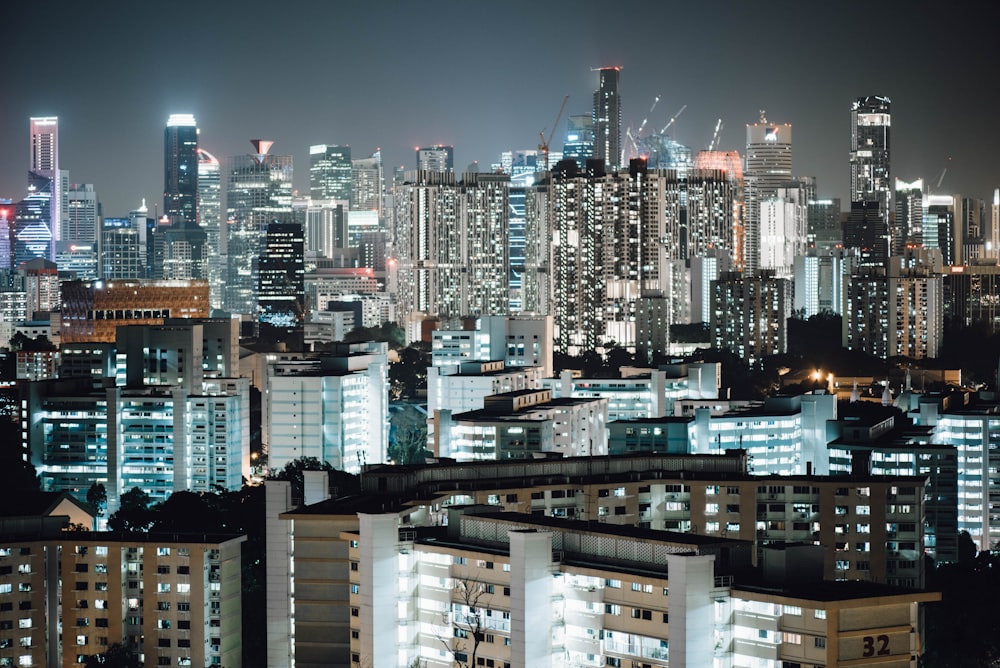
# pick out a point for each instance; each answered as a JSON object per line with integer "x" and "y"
{"x": 691, "y": 613}
{"x": 379, "y": 571}
{"x": 530, "y": 599}
{"x": 278, "y": 546}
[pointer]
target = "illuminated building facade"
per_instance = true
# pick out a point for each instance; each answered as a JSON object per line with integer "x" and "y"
{"x": 909, "y": 222}
{"x": 96, "y": 587}
{"x": 34, "y": 231}
{"x": 180, "y": 169}
{"x": 333, "y": 408}
{"x": 258, "y": 192}
{"x": 438, "y": 158}
{"x": 368, "y": 184}
{"x": 330, "y": 172}
{"x": 898, "y": 310}
{"x": 871, "y": 124}
{"x": 83, "y": 215}
{"x": 750, "y": 314}
{"x": 608, "y": 118}
{"x": 121, "y": 253}
{"x": 974, "y": 431}
{"x": 579, "y": 144}
{"x": 819, "y": 281}
{"x": 93, "y": 310}
{"x": 452, "y": 238}
{"x": 511, "y": 537}
{"x": 42, "y": 286}
{"x": 46, "y": 182}
{"x": 782, "y": 233}
{"x": 210, "y": 220}
{"x": 281, "y": 288}
{"x": 609, "y": 234}
{"x": 768, "y": 167}
{"x": 522, "y": 424}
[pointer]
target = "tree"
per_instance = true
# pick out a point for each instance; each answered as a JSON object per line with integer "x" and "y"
{"x": 133, "y": 512}
{"x": 97, "y": 496}
{"x": 408, "y": 444}
{"x": 293, "y": 473}
{"x": 470, "y": 603}
{"x": 116, "y": 656}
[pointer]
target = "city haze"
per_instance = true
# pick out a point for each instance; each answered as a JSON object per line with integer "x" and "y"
{"x": 487, "y": 79}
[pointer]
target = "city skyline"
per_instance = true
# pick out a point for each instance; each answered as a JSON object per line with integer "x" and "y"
{"x": 804, "y": 73}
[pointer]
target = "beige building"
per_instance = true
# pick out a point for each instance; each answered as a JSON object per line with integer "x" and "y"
{"x": 175, "y": 599}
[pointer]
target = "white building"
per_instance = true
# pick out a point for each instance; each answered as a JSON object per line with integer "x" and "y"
{"x": 519, "y": 341}
{"x": 333, "y": 408}
{"x": 523, "y": 423}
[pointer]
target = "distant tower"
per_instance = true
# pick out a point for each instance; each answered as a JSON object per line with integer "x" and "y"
{"x": 180, "y": 168}
{"x": 281, "y": 287}
{"x": 258, "y": 192}
{"x": 608, "y": 118}
{"x": 768, "y": 167}
{"x": 45, "y": 189}
{"x": 210, "y": 220}
{"x": 438, "y": 158}
{"x": 330, "y": 172}
{"x": 80, "y": 226}
{"x": 870, "y": 124}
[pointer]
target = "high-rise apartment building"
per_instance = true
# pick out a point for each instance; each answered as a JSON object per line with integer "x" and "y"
{"x": 330, "y": 172}
{"x": 768, "y": 167}
{"x": 871, "y": 121}
{"x": 258, "y": 192}
{"x": 897, "y": 309}
{"x": 750, "y": 314}
{"x": 175, "y": 601}
{"x": 333, "y": 408}
{"x": 783, "y": 230}
{"x": 608, "y": 118}
{"x": 180, "y": 169}
{"x": 452, "y": 239}
{"x": 440, "y": 158}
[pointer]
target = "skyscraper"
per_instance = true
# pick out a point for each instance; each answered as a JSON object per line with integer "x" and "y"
{"x": 330, "y": 172}
{"x": 258, "y": 192}
{"x": 80, "y": 226}
{"x": 180, "y": 168}
{"x": 282, "y": 277}
{"x": 768, "y": 167}
{"x": 870, "y": 123}
{"x": 368, "y": 184}
{"x": 438, "y": 158}
{"x": 608, "y": 118}
{"x": 210, "y": 220}
{"x": 453, "y": 244}
{"x": 43, "y": 206}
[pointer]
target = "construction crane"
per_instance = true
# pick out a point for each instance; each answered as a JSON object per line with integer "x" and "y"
{"x": 633, "y": 139}
{"x": 673, "y": 119}
{"x": 543, "y": 145}
{"x": 716, "y": 137}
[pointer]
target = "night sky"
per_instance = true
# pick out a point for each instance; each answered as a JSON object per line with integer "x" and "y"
{"x": 486, "y": 77}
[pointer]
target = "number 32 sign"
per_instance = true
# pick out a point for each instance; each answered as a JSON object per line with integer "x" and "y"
{"x": 875, "y": 645}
